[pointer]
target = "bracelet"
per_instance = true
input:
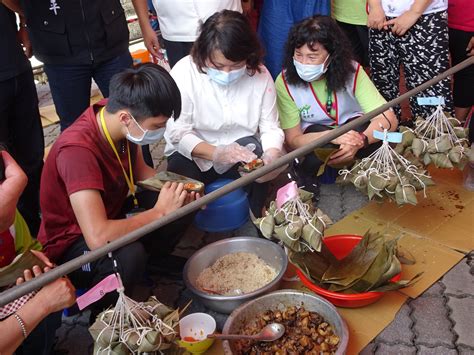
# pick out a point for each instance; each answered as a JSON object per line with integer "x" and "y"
{"x": 22, "y": 324}
{"x": 366, "y": 139}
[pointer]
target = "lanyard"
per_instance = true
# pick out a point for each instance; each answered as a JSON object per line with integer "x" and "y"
{"x": 129, "y": 180}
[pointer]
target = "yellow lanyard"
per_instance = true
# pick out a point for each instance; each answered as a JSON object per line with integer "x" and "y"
{"x": 129, "y": 180}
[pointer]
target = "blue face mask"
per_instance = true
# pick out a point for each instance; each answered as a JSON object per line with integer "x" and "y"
{"x": 226, "y": 78}
{"x": 310, "y": 72}
{"x": 148, "y": 136}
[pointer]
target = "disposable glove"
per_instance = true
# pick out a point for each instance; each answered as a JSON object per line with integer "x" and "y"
{"x": 226, "y": 156}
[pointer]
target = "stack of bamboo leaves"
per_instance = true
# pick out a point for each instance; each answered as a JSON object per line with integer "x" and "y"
{"x": 387, "y": 174}
{"x": 297, "y": 224}
{"x": 440, "y": 139}
{"x": 135, "y": 327}
{"x": 369, "y": 267}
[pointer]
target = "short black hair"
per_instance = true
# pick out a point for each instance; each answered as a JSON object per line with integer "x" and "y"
{"x": 146, "y": 90}
{"x": 325, "y": 31}
{"x": 231, "y": 33}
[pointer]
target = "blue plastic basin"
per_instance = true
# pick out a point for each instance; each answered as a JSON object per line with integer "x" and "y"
{"x": 227, "y": 213}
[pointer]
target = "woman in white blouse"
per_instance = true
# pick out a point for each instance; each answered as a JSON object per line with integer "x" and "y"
{"x": 228, "y": 106}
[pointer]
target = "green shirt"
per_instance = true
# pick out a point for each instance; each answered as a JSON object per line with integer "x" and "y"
{"x": 23, "y": 239}
{"x": 350, "y": 11}
{"x": 366, "y": 94}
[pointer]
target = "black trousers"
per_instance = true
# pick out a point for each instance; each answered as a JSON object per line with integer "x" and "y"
{"x": 131, "y": 259}
{"x": 310, "y": 164}
{"x": 177, "y": 50}
{"x": 358, "y": 36}
{"x": 21, "y": 131}
{"x": 256, "y": 192}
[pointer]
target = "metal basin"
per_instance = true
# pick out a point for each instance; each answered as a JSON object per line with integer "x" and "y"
{"x": 280, "y": 300}
{"x": 268, "y": 251}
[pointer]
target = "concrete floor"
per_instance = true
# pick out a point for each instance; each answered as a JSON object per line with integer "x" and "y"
{"x": 440, "y": 321}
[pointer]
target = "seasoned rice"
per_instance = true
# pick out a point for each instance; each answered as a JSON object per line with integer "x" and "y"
{"x": 236, "y": 273}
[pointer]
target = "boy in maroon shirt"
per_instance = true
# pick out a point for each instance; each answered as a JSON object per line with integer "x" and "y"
{"x": 92, "y": 168}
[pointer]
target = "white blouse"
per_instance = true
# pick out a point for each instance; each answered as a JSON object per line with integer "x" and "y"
{"x": 180, "y": 19}
{"x": 394, "y": 8}
{"x": 221, "y": 114}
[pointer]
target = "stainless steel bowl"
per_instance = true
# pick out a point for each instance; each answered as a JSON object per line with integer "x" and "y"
{"x": 281, "y": 300}
{"x": 268, "y": 251}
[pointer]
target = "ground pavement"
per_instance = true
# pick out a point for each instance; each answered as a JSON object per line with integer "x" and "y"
{"x": 440, "y": 321}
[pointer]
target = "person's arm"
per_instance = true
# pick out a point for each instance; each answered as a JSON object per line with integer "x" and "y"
{"x": 51, "y": 298}
{"x": 247, "y": 6}
{"x": 470, "y": 47}
{"x": 97, "y": 229}
{"x": 370, "y": 99}
{"x": 376, "y": 17}
{"x": 13, "y": 5}
{"x": 271, "y": 134}
{"x": 401, "y": 24}
{"x": 180, "y": 132}
{"x": 150, "y": 37}
{"x": 10, "y": 190}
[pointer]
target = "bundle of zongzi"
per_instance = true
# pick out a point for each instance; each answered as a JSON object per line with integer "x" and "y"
{"x": 134, "y": 327}
{"x": 438, "y": 140}
{"x": 385, "y": 173}
{"x": 297, "y": 224}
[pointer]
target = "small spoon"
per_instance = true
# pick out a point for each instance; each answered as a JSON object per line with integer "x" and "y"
{"x": 270, "y": 332}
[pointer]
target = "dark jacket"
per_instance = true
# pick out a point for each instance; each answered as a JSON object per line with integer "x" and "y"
{"x": 80, "y": 32}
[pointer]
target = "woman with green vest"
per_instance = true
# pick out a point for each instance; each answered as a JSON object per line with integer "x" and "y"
{"x": 321, "y": 88}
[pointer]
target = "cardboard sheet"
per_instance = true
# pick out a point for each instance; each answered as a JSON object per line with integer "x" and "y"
{"x": 436, "y": 232}
{"x": 49, "y": 116}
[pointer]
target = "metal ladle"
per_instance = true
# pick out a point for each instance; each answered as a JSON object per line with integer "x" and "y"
{"x": 270, "y": 332}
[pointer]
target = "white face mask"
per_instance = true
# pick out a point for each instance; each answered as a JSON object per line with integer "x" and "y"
{"x": 310, "y": 72}
{"x": 148, "y": 136}
{"x": 226, "y": 78}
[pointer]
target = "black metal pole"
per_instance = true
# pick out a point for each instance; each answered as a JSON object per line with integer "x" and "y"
{"x": 64, "y": 269}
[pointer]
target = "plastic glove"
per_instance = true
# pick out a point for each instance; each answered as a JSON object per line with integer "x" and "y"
{"x": 226, "y": 156}
{"x": 268, "y": 157}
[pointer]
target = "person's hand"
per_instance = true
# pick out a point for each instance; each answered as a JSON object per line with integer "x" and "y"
{"x": 191, "y": 196}
{"x": 226, "y": 156}
{"x": 43, "y": 258}
{"x": 350, "y": 138}
{"x": 56, "y": 295}
{"x": 246, "y": 7}
{"x": 150, "y": 38}
{"x": 376, "y": 18}
{"x": 268, "y": 157}
{"x": 401, "y": 24}
{"x": 344, "y": 154}
{"x": 10, "y": 190}
{"x": 172, "y": 196}
{"x": 24, "y": 39}
{"x": 470, "y": 47}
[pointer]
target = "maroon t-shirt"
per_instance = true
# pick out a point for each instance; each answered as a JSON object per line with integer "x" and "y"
{"x": 80, "y": 159}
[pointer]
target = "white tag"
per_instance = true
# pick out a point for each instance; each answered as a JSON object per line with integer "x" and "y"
{"x": 430, "y": 101}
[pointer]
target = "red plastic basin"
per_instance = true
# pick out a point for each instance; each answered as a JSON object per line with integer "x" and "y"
{"x": 341, "y": 246}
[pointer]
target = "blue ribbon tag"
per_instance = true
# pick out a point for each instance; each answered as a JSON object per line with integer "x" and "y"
{"x": 392, "y": 137}
{"x": 430, "y": 101}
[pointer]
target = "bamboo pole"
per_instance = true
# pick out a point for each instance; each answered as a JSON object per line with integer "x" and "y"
{"x": 64, "y": 269}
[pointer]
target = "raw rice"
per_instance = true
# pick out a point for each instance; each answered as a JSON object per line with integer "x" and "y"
{"x": 235, "y": 273}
